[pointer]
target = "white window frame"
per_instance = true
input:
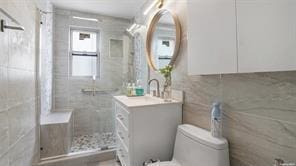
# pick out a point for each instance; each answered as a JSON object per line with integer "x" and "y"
{"x": 97, "y": 54}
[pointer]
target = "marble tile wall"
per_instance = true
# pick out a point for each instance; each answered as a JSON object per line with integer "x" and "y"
{"x": 140, "y": 63}
{"x": 46, "y": 58}
{"x": 259, "y": 108}
{"x": 19, "y": 145}
{"x": 92, "y": 114}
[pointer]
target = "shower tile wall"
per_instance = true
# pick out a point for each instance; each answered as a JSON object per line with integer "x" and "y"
{"x": 259, "y": 108}
{"x": 18, "y": 100}
{"x": 140, "y": 62}
{"x": 46, "y": 51}
{"x": 92, "y": 114}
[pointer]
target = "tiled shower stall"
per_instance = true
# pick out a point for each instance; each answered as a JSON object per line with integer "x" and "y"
{"x": 91, "y": 115}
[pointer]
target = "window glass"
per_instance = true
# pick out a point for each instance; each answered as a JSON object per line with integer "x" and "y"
{"x": 84, "y": 53}
{"x": 83, "y": 41}
{"x": 84, "y": 65}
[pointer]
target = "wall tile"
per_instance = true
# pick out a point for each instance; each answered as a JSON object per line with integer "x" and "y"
{"x": 3, "y": 88}
{"x": 256, "y": 140}
{"x": 46, "y": 59}
{"x": 4, "y": 37}
{"x": 21, "y": 152}
{"x": 4, "y": 137}
{"x": 21, "y": 86}
{"x": 61, "y": 48}
{"x": 22, "y": 49}
{"x": 264, "y": 94}
{"x": 61, "y": 65}
{"x": 22, "y": 118}
{"x": 4, "y": 160}
{"x": 19, "y": 140}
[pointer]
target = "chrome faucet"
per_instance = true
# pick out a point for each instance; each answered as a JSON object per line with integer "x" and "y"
{"x": 157, "y": 84}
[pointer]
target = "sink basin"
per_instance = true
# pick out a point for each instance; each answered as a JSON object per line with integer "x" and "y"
{"x": 146, "y": 100}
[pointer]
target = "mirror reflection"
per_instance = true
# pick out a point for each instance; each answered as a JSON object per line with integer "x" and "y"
{"x": 163, "y": 41}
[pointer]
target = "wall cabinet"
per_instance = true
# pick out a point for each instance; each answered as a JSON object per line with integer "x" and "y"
{"x": 266, "y": 35}
{"x": 240, "y": 36}
{"x": 211, "y": 37}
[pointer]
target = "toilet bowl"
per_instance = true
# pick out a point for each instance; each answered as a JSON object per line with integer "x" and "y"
{"x": 197, "y": 147}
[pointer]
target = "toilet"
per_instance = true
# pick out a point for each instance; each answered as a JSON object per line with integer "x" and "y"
{"x": 197, "y": 147}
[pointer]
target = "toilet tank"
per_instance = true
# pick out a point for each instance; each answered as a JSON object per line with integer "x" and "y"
{"x": 197, "y": 147}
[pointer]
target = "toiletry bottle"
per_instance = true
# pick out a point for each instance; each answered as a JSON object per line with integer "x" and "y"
{"x": 139, "y": 89}
{"x": 133, "y": 89}
{"x": 216, "y": 120}
{"x": 129, "y": 90}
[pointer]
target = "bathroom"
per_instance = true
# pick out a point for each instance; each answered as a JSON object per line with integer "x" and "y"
{"x": 81, "y": 82}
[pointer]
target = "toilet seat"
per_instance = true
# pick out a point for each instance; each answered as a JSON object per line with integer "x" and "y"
{"x": 166, "y": 163}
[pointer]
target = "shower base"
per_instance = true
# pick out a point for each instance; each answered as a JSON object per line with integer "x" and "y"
{"x": 93, "y": 142}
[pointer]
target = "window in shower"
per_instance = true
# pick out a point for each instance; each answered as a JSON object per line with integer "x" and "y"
{"x": 84, "y": 53}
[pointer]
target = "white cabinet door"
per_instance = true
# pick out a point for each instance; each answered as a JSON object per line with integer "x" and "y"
{"x": 266, "y": 35}
{"x": 212, "y": 46}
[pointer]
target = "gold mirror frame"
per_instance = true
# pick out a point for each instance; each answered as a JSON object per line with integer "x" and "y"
{"x": 149, "y": 37}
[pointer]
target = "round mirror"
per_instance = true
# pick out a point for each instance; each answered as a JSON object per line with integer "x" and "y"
{"x": 163, "y": 40}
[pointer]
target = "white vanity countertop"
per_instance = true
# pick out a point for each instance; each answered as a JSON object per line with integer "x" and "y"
{"x": 140, "y": 101}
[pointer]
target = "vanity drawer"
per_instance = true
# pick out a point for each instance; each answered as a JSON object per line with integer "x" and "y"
{"x": 122, "y": 114}
{"x": 122, "y": 155}
{"x": 122, "y": 134}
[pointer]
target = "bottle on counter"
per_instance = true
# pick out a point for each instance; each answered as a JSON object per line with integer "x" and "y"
{"x": 139, "y": 89}
{"x": 129, "y": 90}
{"x": 133, "y": 89}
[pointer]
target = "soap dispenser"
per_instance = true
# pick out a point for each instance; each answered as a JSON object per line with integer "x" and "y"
{"x": 139, "y": 89}
{"x": 216, "y": 120}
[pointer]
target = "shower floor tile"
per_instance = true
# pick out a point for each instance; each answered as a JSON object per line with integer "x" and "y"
{"x": 92, "y": 142}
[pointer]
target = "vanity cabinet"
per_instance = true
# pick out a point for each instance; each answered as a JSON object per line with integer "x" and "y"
{"x": 145, "y": 128}
{"x": 241, "y": 36}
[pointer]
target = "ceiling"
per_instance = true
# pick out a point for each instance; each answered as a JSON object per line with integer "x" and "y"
{"x": 116, "y": 8}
